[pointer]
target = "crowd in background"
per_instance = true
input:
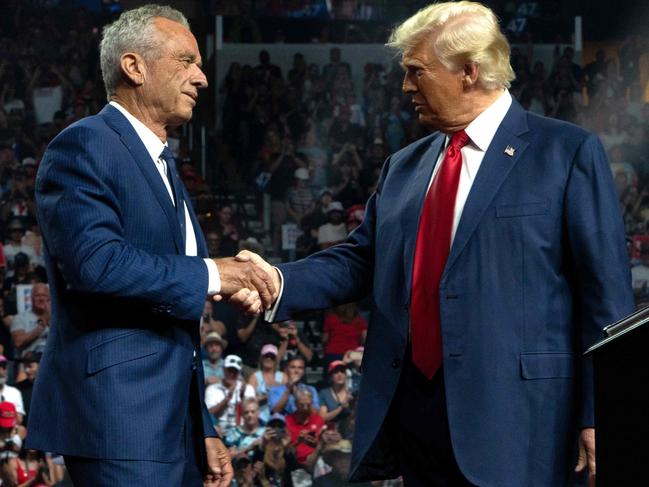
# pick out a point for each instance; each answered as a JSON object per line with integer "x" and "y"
{"x": 313, "y": 143}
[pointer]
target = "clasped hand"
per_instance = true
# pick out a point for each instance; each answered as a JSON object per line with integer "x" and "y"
{"x": 248, "y": 282}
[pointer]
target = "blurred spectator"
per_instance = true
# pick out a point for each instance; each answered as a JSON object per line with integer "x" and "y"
{"x": 247, "y": 436}
{"x": 347, "y": 166}
{"x": 344, "y": 329}
{"x": 213, "y": 239}
{"x": 281, "y": 399}
{"x": 10, "y": 443}
{"x": 253, "y": 334}
{"x": 298, "y": 73}
{"x": 10, "y": 394}
{"x": 640, "y": 275}
{"x": 334, "y": 66}
{"x": 336, "y": 400}
{"x": 265, "y": 70}
{"x": 334, "y": 231}
{"x": 14, "y": 244}
{"x": 19, "y": 202}
{"x": 629, "y": 54}
{"x": 281, "y": 170}
{"x": 30, "y": 328}
{"x": 22, "y": 275}
{"x": 304, "y": 425}
{"x": 394, "y": 124}
{"x": 299, "y": 200}
{"x": 213, "y": 365}
{"x": 595, "y": 72}
{"x": 353, "y": 360}
{"x": 229, "y": 230}
{"x": 30, "y": 363}
{"x": 209, "y": 323}
{"x": 338, "y": 456}
{"x": 268, "y": 375}
{"x": 612, "y": 134}
{"x": 224, "y": 399}
{"x": 292, "y": 342}
{"x": 355, "y": 214}
{"x": 245, "y": 474}
{"x": 343, "y": 131}
{"x": 32, "y": 469}
{"x": 34, "y": 241}
{"x": 6, "y": 343}
{"x": 276, "y": 456}
{"x": 318, "y": 216}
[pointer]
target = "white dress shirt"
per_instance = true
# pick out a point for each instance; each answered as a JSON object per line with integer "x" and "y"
{"x": 481, "y": 132}
{"x": 154, "y": 147}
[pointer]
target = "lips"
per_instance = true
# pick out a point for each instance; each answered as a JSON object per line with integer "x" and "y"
{"x": 192, "y": 96}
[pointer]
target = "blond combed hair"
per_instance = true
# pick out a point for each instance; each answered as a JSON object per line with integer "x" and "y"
{"x": 460, "y": 32}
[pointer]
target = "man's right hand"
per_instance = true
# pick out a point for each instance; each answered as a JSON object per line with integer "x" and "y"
{"x": 252, "y": 285}
{"x": 243, "y": 297}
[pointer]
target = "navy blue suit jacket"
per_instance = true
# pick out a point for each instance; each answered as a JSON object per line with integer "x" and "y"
{"x": 537, "y": 268}
{"x": 115, "y": 377}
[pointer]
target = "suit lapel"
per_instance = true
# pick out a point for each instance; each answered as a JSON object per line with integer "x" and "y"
{"x": 496, "y": 165}
{"x": 414, "y": 194}
{"x": 141, "y": 156}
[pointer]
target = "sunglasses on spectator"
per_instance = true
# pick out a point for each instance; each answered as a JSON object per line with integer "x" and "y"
{"x": 269, "y": 355}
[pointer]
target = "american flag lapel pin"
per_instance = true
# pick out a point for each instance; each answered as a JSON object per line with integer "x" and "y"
{"x": 509, "y": 150}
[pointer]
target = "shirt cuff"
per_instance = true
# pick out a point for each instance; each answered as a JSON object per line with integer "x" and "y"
{"x": 270, "y": 314}
{"x": 214, "y": 282}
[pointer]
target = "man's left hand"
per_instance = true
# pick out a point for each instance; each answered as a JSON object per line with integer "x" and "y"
{"x": 219, "y": 466}
{"x": 587, "y": 454}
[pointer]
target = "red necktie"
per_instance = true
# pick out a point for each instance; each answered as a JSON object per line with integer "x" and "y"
{"x": 431, "y": 252}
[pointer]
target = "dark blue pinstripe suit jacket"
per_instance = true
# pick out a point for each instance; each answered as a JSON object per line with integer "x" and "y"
{"x": 115, "y": 378}
{"x": 537, "y": 268}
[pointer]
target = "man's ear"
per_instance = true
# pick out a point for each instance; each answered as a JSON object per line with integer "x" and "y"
{"x": 133, "y": 68}
{"x": 470, "y": 74}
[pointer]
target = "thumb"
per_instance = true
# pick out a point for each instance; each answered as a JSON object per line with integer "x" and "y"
{"x": 582, "y": 459}
{"x": 244, "y": 256}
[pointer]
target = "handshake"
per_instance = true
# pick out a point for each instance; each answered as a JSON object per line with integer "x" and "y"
{"x": 248, "y": 282}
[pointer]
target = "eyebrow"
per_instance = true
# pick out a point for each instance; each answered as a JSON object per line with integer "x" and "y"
{"x": 191, "y": 58}
{"x": 412, "y": 63}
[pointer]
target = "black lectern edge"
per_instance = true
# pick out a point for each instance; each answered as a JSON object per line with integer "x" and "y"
{"x": 621, "y": 327}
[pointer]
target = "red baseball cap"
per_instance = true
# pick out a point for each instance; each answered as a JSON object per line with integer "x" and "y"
{"x": 8, "y": 417}
{"x": 336, "y": 364}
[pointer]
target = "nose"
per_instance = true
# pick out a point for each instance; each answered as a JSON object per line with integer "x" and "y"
{"x": 199, "y": 80}
{"x": 408, "y": 87}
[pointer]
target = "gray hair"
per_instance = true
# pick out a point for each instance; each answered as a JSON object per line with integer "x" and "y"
{"x": 465, "y": 32}
{"x": 133, "y": 31}
{"x": 301, "y": 391}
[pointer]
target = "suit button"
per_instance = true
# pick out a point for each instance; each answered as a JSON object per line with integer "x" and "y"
{"x": 396, "y": 363}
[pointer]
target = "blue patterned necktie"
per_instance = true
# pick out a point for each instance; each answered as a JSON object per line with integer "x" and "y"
{"x": 176, "y": 188}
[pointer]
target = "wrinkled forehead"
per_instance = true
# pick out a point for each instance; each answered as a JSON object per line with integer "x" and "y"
{"x": 175, "y": 36}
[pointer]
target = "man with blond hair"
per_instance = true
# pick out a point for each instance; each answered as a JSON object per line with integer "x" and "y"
{"x": 495, "y": 253}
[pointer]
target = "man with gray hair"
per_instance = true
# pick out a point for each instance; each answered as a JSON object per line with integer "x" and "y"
{"x": 494, "y": 250}
{"x": 120, "y": 392}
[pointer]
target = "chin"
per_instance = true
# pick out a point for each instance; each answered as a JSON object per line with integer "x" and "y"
{"x": 427, "y": 122}
{"x": 180, "y": 118}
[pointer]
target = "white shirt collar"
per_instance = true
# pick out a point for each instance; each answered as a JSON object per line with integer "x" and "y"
{"x": 482, "y": 130}
{"x": 150, "y": 140}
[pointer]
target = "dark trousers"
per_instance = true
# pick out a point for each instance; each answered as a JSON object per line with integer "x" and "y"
{"x": 99, "y": 472}
{"x": 418, "y": 425}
